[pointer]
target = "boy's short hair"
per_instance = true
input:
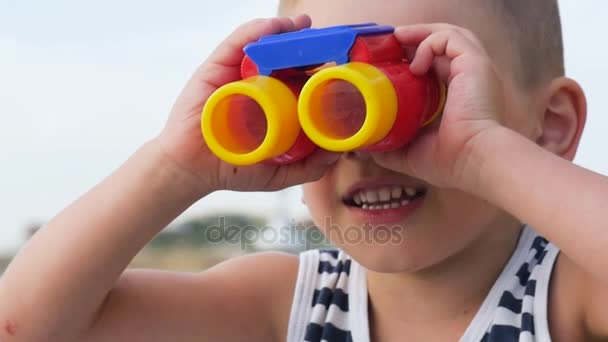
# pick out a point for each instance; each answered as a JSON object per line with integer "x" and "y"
{"x": 534, "y": 26}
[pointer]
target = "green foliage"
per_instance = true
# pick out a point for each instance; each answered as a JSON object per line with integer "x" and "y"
{"x": 241, "y": 232}
{"x": 209, "y": 231}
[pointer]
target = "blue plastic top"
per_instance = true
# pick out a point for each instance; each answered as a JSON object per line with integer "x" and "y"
{"x": 309, "y": 47}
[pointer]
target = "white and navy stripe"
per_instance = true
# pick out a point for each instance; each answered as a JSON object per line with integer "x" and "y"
{"x": 330, "y": 300}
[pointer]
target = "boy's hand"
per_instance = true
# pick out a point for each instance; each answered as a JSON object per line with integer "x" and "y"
{"x": 181, "y": 140}
{"x": 442, "y": 155}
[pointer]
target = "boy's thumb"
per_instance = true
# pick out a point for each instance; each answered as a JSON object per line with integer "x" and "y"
{"x": 327, "y": 157}
{"x": 308, "y": 170}
{"x": 315, "y": 165}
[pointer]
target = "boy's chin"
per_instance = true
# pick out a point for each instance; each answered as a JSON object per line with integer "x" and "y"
{"x": 393, "y": 258}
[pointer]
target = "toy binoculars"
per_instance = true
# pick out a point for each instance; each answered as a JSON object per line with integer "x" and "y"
{"x": 340, "y": 88}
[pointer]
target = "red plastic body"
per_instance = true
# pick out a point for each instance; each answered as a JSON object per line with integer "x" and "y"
{"x": 295, "y": 80}
{"x": 418, "y": 96}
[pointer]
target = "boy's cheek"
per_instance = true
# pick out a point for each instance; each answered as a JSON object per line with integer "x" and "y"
{"x": 523, "y": 106}
{"x": 520, "y": 105}
{"x": 314, "y": 196}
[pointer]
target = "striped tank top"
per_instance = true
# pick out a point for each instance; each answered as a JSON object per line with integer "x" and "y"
{"x": 330, "y": 298}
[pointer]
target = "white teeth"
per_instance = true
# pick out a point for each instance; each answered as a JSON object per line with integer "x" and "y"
{"x": 372, "y": 196}
{"x": 396, "y": 192}
{"x": 392, "y": 205}
{"x": 384, "y": 198}
{"x": 410, "y": 192}
{"x": 362, "y": 196}
{"x": 384, "y": 194}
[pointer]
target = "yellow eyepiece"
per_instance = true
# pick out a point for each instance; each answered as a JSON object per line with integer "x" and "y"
{"x": 252, "y": 120}
{"x": 346, "y": 107}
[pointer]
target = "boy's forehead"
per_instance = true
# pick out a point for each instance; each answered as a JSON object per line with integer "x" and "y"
{"x": 392, "y": 12}
{"x": 466, "y": 13}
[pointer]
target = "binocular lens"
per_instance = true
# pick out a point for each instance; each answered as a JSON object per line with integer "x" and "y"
{"x": 347, "y": 107}
{"x": 338, "y": 109}
{"x": 252, "y": 120}
{"x": 244, "y": 118}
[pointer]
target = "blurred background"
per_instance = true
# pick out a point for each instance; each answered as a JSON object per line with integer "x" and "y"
{"x": 84, "y": 84}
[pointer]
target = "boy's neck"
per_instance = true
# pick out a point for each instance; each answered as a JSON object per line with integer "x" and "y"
{"x": 451, "y": 291}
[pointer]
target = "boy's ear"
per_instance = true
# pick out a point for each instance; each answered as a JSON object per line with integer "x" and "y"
{"x": 564, "y": 118}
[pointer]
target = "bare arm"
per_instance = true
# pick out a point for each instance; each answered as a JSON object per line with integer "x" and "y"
{"x": 247, "y": 298}
{"x": 64, "y": 273}
{"x": 562, "y": 201}
{"x": 67, "y": 269}
{"x": 476, "y": 149}
{"x": 66, "y": 284}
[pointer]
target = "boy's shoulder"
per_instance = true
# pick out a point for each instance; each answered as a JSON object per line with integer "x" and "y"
{"x": 515, "y": 308}
{"x": 576, "y": 302}
{"x": 268, "y": 280}
{"x": 265, "y": 270}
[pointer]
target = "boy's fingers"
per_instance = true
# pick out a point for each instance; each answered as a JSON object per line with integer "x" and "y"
{"x": 223, "y": 65}
{"x": 230, "y": 52}
{"x": 434, "y": 40}
{"x": 397, "y": 161}
{"x": 302, "y": 21}
{"x": 313, "y": 167}
{"x": 304, "y": 171}
{"x": 433, "y": 45}
{"x": 322, "y": 157}
{"x": 408, "y": 159}
{"x": 284, "y": 25}
{"x": 449, "y": 43}
{"x": 412, "y": 35}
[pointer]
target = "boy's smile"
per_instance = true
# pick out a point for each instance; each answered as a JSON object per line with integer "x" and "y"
{"x": 434, "y": 223}
{"x": 426, "y": 224}
{"x": 383, "y": 200}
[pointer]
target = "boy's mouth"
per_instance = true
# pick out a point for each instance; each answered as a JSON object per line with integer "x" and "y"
{"x": 383, "y": 197}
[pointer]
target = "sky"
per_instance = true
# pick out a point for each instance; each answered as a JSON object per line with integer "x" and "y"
{"x": 84, "y": 84}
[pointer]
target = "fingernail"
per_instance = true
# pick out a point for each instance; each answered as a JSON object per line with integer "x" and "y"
{"x": 402, "y": 29}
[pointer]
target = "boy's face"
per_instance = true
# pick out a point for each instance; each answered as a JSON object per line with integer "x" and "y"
{"x": 442, "y": 222}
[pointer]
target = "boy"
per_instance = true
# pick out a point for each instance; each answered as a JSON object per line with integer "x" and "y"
{"x": 500, "y": 156}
